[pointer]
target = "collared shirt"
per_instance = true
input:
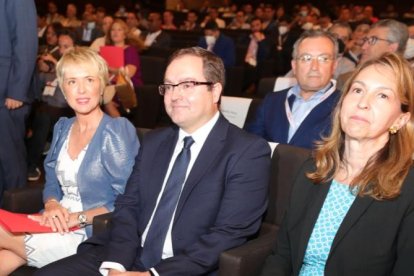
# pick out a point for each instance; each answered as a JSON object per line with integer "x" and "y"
{"x": 251, "y": 54}
{"x": 199, "y": 136}
{"x": 301, "y": 107}
{"x": 150, "y": 38}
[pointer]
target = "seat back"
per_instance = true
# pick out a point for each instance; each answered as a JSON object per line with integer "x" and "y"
{"x": 265, "y": 86}
{"x": 286, "y": 162}
{"x": 153, "y": 69}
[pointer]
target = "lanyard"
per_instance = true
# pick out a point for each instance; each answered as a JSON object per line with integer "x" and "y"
{"x": 324, "y": 97}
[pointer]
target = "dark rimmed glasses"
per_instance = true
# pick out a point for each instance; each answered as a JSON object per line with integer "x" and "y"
{"x": 185, "y": 86}
{"x": 372, "y": 40}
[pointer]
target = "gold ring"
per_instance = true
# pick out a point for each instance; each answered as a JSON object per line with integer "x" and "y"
{"x": 55, "y": 216}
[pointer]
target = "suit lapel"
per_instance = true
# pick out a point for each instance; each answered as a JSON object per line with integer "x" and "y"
{"x": 310, "y": 220}
{"x": 210, "y": 151}
{"x": 160, "y": 163}
{"x": 357, "y": 209}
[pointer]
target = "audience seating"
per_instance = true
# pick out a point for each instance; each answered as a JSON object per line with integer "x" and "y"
{"x": 238, "y": 110}
{"x": 234, "y": 83}
{"x": 265, "y": 86}
{"x": 28, "y": 200}
{"x": 148, "y": 111}
{"x": 152, "y": 69}
{"x": 245, "y": 260}
{"x": 248, "y": 259}
{"x": 273, "y": 84}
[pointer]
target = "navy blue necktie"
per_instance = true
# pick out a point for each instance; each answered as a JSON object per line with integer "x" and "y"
{"x": 157, "y": 232}
{"x": 291, "y": 100}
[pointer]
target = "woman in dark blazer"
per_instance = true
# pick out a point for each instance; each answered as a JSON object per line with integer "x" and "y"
{"x": 352, "y": 207}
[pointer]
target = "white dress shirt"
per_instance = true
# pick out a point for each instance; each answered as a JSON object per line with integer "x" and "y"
{"x": 199, "y": 136}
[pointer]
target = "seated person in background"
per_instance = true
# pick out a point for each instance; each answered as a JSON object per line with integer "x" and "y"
{"x": 119, "y": 36}
{"x": 158, "y": 228}
{"x": 300, "y": 115}
{"x": 154, "y": 36}
{"x": 87, "y": 167}
{"x": 48, "y": 110}
{"x": 168, "y": 21}
{"x": 190, "y": 24}
{"x": 385, "y": 36}
{"x": 239, "y": 22}
{"x": 351, "y": 208}
{"x": 88, "y": 31}
{"x": 132, "y": 21}
{"x": 47, "y": 51}
{"x": 213, "y": 15}
{"x": 218, "y": 43}
{"x": 343, "y": 32}
{"x": 100, "y": 41}
{"x": 259, "y": 50}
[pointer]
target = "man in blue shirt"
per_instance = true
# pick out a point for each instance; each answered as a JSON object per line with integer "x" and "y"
{"x": 301, "y": 114}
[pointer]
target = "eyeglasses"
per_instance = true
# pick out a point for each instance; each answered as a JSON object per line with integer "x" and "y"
{"x": 372, "y": 40}
{"x": 321, "y": 59}
{"x": 185, "y": 86}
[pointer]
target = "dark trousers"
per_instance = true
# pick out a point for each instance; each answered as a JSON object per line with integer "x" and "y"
{"x": 44, "y": 118}
{"x": 83, "y": 263}
{"x": 13, "y": 170}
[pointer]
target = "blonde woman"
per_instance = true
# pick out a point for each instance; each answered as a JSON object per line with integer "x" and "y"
{"x": 88, "y": 165}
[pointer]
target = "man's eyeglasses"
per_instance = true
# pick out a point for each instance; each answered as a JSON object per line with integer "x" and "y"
{"x": 185, "y": 86}
{"x": 321, "y": 59}
{"x": 372, "y": 40}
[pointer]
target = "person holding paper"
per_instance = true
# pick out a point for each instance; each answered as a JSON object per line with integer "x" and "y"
{"x": 90, "y": 160}
{"x": 118, "y": 36}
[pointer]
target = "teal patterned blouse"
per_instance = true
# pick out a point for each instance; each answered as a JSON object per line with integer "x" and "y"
{"x": 336, "y": 206}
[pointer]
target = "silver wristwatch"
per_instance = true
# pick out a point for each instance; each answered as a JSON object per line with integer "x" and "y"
{"x": 83, "y": 221}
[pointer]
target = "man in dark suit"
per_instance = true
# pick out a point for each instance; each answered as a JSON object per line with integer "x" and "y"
{"x": 155, "y": 37}
{"x": 301, "y": 114}
{"x": 89, "y": 31}
{"x": 224, "y": 187}
{"x": 18, "y": 51}
{"x": 220, "y": 44}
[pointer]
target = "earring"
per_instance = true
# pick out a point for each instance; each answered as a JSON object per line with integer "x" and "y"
{"x": 393, "y": 129}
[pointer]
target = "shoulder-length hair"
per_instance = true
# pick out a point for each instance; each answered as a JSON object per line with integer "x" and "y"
{"x": 383, "y": 175}
{"x": 129, "y": 38}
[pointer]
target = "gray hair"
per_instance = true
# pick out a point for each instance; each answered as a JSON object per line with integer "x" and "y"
{"x": 316, "y": 34}
{"x": 397, "y": 32}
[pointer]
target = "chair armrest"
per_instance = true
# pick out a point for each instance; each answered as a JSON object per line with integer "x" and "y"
{"x": 101, "y": 223}
{"x": 247, "y": 259}
{"x": 23, "y": 200}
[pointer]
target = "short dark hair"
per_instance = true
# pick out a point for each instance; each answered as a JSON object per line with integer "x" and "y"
{"x": 213, "y": 67}
{"x": 211, "y": 25}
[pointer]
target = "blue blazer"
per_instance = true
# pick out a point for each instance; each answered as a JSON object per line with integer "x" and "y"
{"x": 224, "y": 48}
{"x": 18, "y": 49}
{"x": 105, "y": 169}
{"x": 221, "y": 204}
{"x": 271, "y": 121}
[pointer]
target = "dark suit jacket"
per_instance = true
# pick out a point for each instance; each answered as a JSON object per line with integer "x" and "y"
{"x": 221, "y": 204}
{"x": 376, "y": 237}
{"x": 18, "y": 49}
{"x": 271, "y": 121}
{"x": 224, "y": 48}
{"x": 163, "y": 40}
{"x": 96, "y": 32}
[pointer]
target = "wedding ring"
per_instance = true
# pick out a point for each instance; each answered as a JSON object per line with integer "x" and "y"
{"x": 55, "y": 216}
